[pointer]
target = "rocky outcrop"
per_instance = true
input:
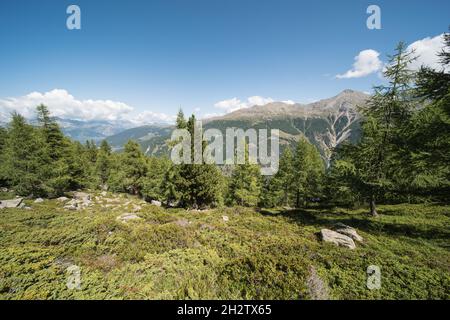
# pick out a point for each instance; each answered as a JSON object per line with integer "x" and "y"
{"x": 348, "y": 231}
{"x": 83, "y": 196}
{"x": 337, "y": 238}
{"x": 81, "y": 200}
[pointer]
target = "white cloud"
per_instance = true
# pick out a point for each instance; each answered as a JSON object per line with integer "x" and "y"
{"x": 234, "y": 104}
{"x": 63, "y": 105}
{"x": 366, "y": 62}
{"x": 427, "y": 49}
{"x": 150, "y": 117}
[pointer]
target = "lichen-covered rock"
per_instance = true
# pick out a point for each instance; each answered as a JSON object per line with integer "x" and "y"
{"x": 337, "y": 238}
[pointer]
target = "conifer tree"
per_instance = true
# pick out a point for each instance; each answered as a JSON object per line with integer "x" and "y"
{"x": 245, "y": 185}
{"x": 308, "y": 172}
{"x": 280, "y": 188}
{"x": 103, "y": 165}
{"x": 25, "y": 158}
{"x": 376, "y": 158}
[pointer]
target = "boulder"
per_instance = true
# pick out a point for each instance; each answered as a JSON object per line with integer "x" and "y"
{"x": 38, "y": 200}
{"x": 72, "y": 207}
{"x": 81, "y": 196}
{"x": 13, "y": 203}
{"x": 339, "y": 239}
{"x": 156, "y": 203}
{"x": 348, "y": 231}
{"x": 62, "y": 199}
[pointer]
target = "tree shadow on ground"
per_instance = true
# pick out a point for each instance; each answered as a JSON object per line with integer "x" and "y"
{"x": 321, "y": 218}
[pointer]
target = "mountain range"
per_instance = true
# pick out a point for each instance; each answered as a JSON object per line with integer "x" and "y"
{"x": 325, "y": 123}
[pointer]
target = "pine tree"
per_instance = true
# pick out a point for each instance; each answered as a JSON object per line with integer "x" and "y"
{"x": 245, "y": 185}
{"x": 103, "y": 165}
{"x": 280, "y": 188}
{"x": 376, "y": 158}
{"x": 3, "y": 139}
{"x": 129, "y": 170}
{"x": 193, "y": 185}
{"x": 25, "y": 158}
{"x": 308, "y": 172}
{"x": 425, "y": 169}
{"x": 153, "y": 185}
{"x": 53, "y": 136}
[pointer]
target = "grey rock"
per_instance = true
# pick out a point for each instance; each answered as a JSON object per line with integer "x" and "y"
{"x": 225, "y": 218}
{"x": 348, "y": 231}
{"x": 337, "y": 238}
{"x": 38, "y": 200}
{"x": 62, "y": 199}
{"x": 156, "y": 203}
{"x": 81, "y": 196}
{"x": 13, "y": 203}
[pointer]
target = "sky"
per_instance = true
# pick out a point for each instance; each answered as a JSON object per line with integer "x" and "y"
{"x": 143, "y": 60}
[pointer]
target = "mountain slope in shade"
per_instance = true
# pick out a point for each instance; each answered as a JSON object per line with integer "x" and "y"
{"x": 152, "y": 138}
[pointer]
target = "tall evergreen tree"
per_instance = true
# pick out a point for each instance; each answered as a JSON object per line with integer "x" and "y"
{"x": 245, "y": 185}
{"x": 25, "y": 158}
{"x": 375, "y": 159}
{"x": 280, "y": 188}
{"x": 308, "y": 172}
{"x": 53, "y": 136}
{"x": 130, "y": 169}
{"x": 103, "y": 165}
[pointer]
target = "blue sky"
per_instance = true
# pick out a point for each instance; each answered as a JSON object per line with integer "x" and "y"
{"x": 156, "y": 56}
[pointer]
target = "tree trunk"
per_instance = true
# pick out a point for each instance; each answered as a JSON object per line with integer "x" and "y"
{"x": 373, "y": 209}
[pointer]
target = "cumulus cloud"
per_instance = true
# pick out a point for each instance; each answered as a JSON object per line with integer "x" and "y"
{"x": 234, "y": 104}
{"x": 150, "y": 117}
{"x": 63, "y": 105}
{"x": 426, "y": 51}
{"x": 366, "y": 62}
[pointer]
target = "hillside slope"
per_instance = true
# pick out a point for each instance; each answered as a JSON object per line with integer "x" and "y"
{"x": 181, "y": 254}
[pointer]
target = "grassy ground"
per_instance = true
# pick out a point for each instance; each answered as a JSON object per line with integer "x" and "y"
{"x": 179, "y": 254}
